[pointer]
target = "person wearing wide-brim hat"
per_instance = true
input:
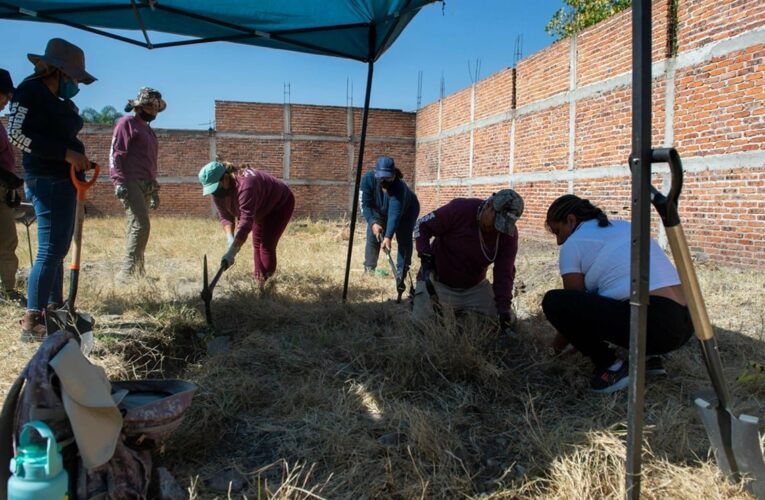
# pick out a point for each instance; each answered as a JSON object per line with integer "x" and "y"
{"x": 249, "y": 201}
{"x": 9, "y": 199}
{"x": 456, "y": 244}
{"x": 133, "y": 168}
{"x": 43, "y": 124}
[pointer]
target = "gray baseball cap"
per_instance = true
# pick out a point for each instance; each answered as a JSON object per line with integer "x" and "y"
{"x": 509, "y": 207}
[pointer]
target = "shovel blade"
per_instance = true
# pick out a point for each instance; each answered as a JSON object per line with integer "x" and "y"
{"x": 79, "y": 323}
{"x": 717, "y": 422}
{"x": 206, "y": 293}
{"x": 746, "y": 447}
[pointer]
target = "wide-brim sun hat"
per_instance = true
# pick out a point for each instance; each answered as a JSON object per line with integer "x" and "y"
{"x": 6, "y": 82}
{"x": 210, "y": 176}
{"x": 145, "y": 97}
{"x": 67, "y": 57}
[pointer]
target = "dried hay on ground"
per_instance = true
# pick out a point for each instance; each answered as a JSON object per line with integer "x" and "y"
{"x": 316, "y": 399}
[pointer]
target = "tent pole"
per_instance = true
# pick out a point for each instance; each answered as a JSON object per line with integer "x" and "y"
{"x": 640, "y": 165}
{"x": 354, "y": 209}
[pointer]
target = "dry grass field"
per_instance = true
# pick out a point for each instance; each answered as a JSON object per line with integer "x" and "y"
{"x": 310, "y": 398}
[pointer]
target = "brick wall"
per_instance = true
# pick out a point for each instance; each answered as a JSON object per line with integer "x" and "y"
{"x": 569, "y": 128}
{"x": 314, "y": 148}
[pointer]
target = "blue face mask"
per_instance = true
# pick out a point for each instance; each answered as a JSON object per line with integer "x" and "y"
{"x": 67, "y": 88}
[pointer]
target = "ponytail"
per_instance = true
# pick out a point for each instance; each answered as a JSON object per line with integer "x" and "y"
{"x": 582, "y": 209}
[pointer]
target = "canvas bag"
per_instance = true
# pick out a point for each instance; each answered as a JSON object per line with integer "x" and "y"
{"x": 37, "y": 395}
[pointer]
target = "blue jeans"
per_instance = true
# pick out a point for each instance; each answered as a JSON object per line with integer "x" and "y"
{"x": 54, "y": 201}
{"x": 403, "y": 234}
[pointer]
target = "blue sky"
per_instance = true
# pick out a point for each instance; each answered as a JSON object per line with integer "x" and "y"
{"x": 436, "y": 42}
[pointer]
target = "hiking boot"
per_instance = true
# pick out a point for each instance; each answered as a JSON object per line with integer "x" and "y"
{"x": 33, "y": 327}
{"x": 654, "y": 367}
{"x": 608, "y": 381}
{"x": 13, "y": 297}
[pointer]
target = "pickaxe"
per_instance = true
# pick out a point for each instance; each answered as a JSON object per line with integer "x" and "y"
{"x": 207, "y": 289}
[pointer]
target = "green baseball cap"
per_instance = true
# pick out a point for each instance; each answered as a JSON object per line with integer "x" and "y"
{"x": 508, "y": 206}
{"x": 210, "y": 176}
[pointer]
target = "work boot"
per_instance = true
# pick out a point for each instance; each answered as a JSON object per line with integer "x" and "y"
{"x": 33, "y": 327}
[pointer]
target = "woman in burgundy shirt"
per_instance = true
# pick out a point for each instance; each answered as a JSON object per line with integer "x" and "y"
{"x": 249, "y": 200}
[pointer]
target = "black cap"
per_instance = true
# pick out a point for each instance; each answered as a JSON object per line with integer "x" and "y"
{"x": 6, "y": 84}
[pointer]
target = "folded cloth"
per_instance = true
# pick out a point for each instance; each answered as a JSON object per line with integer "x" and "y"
{"x": 86, "y": 391}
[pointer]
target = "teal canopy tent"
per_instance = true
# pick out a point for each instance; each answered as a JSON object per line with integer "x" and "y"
{"x": 354, "y": 29}
{"x": 362, "y": 30}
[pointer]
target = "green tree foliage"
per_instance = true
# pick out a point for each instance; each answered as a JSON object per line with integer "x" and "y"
{"x": 108, "y": 115}
{"x": 579, "y": 14}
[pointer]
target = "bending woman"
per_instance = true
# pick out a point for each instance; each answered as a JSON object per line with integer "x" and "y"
{"x": 249, "y": 200}
{"x": 593, "y": 309}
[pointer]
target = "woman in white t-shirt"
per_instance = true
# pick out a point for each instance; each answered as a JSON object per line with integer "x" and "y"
{"x": 592, "y": 310}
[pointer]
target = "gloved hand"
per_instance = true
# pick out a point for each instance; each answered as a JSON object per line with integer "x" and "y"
{"x": 506, "y": 333}
{"x": 120, "y": 192}
{"x": 154, "y": 203}
{"x": 230, "y": 256}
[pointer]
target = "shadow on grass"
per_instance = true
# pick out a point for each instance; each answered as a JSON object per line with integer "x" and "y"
{"x": 353, "y": 401}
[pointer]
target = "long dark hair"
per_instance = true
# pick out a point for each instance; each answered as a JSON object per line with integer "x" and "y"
{"x": 582, "y": 209}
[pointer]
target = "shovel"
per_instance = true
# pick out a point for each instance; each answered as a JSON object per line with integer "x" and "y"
{"x": 67, "y": 318}
{"x": 400, "y": 286}
{"x": 207, "y": 289}
{"x": 734, "y": 437}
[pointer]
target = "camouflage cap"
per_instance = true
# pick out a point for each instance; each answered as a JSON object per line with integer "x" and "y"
{"x": 509, "y": 207}
{"x": 147, "y": 96}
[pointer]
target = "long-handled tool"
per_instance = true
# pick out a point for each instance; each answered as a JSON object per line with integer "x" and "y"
{"x": 25, "y": 213}
{"x": 67, "y": 318}
{"x": 400, "y": 285}
{"x": 207, "y": 289}
{"x": 734, "y": 437}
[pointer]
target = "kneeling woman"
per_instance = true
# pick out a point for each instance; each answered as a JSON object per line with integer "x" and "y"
{"x": 249, "y": 200}
{"x": 593, "y": 309}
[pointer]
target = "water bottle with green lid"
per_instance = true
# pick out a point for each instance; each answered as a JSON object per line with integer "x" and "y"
{"x": 38, "y": 469}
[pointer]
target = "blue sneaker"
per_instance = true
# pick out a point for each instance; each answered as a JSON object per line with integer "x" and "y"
{"x": 654, "y": 367}
{"x": 608, "y": 381}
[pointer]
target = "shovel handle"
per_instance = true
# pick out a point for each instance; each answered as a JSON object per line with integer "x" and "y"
{"x": 74, "y": 269}
{"x": 83, "y": 186}
{"x": 666, "y": 206}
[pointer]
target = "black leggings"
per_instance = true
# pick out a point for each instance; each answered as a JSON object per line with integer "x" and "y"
{"x": 588, "y": 321}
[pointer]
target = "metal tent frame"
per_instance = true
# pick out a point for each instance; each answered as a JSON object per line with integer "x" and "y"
{"x": 290, "y": 39}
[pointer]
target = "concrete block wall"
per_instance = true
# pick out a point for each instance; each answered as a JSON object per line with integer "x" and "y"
{"x": 560, "y": 122}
